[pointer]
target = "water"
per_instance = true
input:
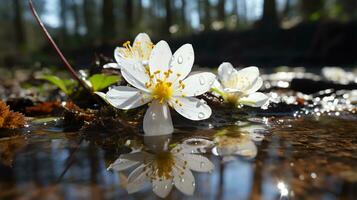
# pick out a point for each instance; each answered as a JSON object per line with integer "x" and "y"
{"x": 300, "y": 147}
{"x": 299, "y": 158}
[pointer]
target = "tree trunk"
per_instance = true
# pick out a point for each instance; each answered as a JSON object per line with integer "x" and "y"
{"x": 235, "y": 7}
{"x": 140, "y": 11}
{"x": 270, "y": 18}
{"x": 128, "y": 14}
{"x": 221, "y": 10}
{"x": 168, "y": 19}
{"x": 183, "y": 16}
{"x": 76, "y": 18}
{"x": 308, "y": 8}
{"x": 89, "y": 16}
{"x": 108, "y": 20}
{"x": 286, "y": 11}
{"x": 63, "y": 16}
{"x": 207, "y": 18}
{"x": 19, "y": 24}
{"x": 235, "y": 12}
{"x": 244, "y": 6}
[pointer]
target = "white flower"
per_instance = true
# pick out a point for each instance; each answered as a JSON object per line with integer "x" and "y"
{"x": 163, "y": 84}
{"x": 162, "y": 169}
{"x": 139, "y": 52}
{"x": 239, "y": 87}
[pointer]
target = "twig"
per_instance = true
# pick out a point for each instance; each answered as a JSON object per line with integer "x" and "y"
{"x": 52, "y": 42}
{"x": 70, "y": 159}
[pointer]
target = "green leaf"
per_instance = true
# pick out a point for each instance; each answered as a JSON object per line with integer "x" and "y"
{"x": 101, "y": 81}
{"x": 55, "y": 80}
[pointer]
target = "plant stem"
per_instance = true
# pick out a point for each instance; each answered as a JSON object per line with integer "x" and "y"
{"x": 52, "y": 42}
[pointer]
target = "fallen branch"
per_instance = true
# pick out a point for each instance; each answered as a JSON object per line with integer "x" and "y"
{"x": 52, "y": 42}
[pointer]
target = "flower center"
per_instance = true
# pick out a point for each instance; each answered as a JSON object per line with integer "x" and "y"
{"x": 238, "y": 82}
{"x": 164, "y": 162}
{"x": 137, "y": 51}
{"x": 162, "y": 91}
{"x": 231, "y": 98}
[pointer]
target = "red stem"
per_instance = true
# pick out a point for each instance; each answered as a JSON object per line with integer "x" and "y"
{"x": 50, "y": 40}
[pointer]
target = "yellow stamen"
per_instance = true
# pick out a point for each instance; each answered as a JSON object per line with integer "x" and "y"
{"x": 164, "y": 163}
{"x": 162, "y": 91}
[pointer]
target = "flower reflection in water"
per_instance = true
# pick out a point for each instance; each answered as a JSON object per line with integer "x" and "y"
{"x": 163, "y": 166}
{"x": 237, "y": 141}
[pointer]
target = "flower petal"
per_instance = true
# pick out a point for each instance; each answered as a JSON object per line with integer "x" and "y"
{"x": 256, "y": 99}
{"x": 184, "y": 180}
{"x": 182, "y": 61}
{"x": 157, "y": 120}
{"x": 191, "y": 108}
{"x": 217, "y": 88}
{"x": 224, "y": 71}
{"x": 136, "y": 179}
{"x": 160, "y": 57}
{"x": 162, "y": 187}
{"x": 124, "y": 97}
{"x": 112, "y": 65}
{"x": 135, "y": 74}
{"x": 256, "y": 86}
{"x": 121, "y": 164}
{"x": 138, "y": 156}
{"x": 250, "y": 73}
{"x": 197, "y": 162}
{"x": 143, "y": 41}
{"x": 196, "y": 84}
{"x": 121, "y": 59}
{"x": 247, "y": 149}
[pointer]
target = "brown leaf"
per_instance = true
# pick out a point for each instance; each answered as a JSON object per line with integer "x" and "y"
{"x": 9, "y": 119}
{"x": 43, "y": 108}
{"x": 4, "y": 112}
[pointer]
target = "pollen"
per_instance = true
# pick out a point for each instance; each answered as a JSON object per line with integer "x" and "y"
{"x": 164, "y": 163}
{"x": 162, "y": 91}
{"x": 231, "y": 98}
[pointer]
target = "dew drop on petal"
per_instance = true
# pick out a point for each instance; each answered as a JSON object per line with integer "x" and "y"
{"x": 202, "y": 164}
{"x": 180, "y": 60}
{"x": 201, "y": 115}
{"x": 182, "y": 180}
{"x": 202, "y": 80}
{"x": 193, "y": 183}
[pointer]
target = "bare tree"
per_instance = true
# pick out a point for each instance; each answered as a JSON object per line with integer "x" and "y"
{"x": 140, "y": 10}
{"x": 207, "y": 18}
{"x": 270, "y": 17}
{"x": 76, "y": 16}
{"x": 308, "y": 8}
{"x": 19, "y": 24}
{"x": 168, "y": 19}
{"x": 108, "y": 20}
{"x": 221, "y": 10}
{"x": 183, "y": 16}
{"x": 89, "y": 17}
{"x": 63, "y": 16}
{"x": 128, "y": 8}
